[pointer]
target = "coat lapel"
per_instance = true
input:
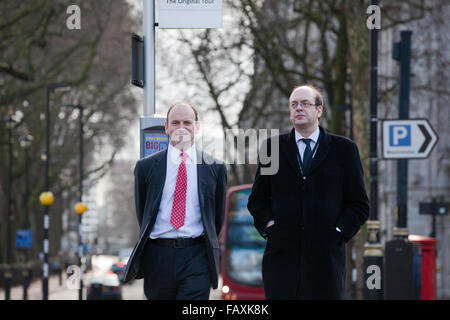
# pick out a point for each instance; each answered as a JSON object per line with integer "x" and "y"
{"x": 292, "y": 152}
{"x": 322, "y": 150}
{"x": 202, "y": 171}
{"x": 159, "y": 177}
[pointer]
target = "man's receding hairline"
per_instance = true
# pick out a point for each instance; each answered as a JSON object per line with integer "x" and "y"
{"x": 182, "y": 103}
{"x": 302, "y": 87}
{"x": 317, "y": 94}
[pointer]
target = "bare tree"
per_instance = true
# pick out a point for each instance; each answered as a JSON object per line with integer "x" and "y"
{"x": 36, "y": 49}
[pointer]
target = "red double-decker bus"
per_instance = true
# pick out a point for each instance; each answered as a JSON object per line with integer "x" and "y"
{"x": 242, "y": 249}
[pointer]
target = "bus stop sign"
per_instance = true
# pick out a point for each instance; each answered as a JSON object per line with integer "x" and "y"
{"x": 154, "y": 142}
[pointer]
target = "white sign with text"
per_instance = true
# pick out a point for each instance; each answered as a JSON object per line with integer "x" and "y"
{"x": 180, "y": 14}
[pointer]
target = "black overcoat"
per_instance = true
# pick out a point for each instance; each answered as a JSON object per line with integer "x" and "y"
{"x": 304, "y": 256}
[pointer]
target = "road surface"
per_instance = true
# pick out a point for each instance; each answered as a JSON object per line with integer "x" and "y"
{"x": 65, "y": 291}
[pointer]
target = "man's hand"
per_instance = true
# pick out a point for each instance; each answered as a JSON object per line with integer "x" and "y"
{"x": 270, "y": 223}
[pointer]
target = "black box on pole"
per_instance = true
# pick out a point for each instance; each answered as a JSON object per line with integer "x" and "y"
{"x": 137, "y": 60}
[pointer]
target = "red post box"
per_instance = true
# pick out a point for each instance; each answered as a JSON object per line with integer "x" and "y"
{"x": 428, "y": 246}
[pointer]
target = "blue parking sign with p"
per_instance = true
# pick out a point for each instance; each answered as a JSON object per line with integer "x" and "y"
{"x": 400, "y": 135}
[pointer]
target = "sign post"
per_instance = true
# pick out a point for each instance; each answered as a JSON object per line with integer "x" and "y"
{"x": 434, "y": 209}
{"x": 152, "y": 131}
{"x": 373, "y": 252}
{"x": 171, "y": 14}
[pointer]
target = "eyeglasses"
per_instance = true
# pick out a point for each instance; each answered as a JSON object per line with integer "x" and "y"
{"x": 305, "y": 105}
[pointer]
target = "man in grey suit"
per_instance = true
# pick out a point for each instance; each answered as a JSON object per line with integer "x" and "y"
{"x": 180, "y": 206}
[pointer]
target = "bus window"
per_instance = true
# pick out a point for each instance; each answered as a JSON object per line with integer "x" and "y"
{"x": 244, "y": 245}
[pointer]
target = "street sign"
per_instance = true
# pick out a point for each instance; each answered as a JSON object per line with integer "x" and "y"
{"x": 24, "y": 238}
{"x": 408, "y": 139}
{"x": 190, "y": 14}
{"x": 437, "y": 208}
{"x": 154, "y": 142}
{"x": 84, "y": 249}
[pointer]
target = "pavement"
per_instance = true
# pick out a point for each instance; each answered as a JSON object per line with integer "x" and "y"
{"x": 65, "y": 290}
{"x": 55, "y": 290}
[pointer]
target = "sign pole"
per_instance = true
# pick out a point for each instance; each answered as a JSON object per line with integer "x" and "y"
{"x": 149, "y": 61}
{"x": 402, "y": 166}
{"x": 400, "y": 253}
{"x": 433, "y": 227}
{"x": 434, "y": 208}
{"x": 171, "y": 14}
{"x": 373, "y": 252}
{"x": 152, "y": 131}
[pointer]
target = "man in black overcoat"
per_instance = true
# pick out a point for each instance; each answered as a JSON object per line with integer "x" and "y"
{"x": 308, "y": 209}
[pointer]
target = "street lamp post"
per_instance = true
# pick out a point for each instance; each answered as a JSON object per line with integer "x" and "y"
{"x": 373, "y": 252}
{"x": 80, "y": 208}
{"x": 10, "y": 123}
{"x": 50, "y": 88}
{"x": 25, "y": 143}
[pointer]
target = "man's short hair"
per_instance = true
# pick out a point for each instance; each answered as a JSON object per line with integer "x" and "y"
{"x": 318, "y": 100}
{"x": 186, "y": 103}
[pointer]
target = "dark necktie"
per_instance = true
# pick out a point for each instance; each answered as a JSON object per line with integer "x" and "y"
{"x": 307, "y": 156}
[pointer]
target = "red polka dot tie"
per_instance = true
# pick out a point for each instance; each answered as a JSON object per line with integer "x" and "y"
{"x": 179, "y": 197}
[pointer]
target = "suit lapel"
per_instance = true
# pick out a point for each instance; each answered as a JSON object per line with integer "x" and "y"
{"x": 292, "y": 152}
{"x": 322, "y": 150}
{"x": 202, "y": 172}
{"x": 159, "y": 177}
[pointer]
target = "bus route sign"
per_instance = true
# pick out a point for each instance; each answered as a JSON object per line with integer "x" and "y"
{"x": 154, "y": 142}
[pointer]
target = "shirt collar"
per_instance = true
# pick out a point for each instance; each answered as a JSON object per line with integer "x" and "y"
{"x": 176, "y": 153}
{"x": 314, "y": 136}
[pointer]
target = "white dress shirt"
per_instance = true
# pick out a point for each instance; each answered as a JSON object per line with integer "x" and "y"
{"x": 193, "y": 225}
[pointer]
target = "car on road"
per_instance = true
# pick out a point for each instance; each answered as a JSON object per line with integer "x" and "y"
{"x": 104, "y": 287}
{"x": 119, "y": 269}
{"x": 120, "y": 266}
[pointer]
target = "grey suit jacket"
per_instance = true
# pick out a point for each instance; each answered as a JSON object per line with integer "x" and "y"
{"x": 150, "y": 175}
